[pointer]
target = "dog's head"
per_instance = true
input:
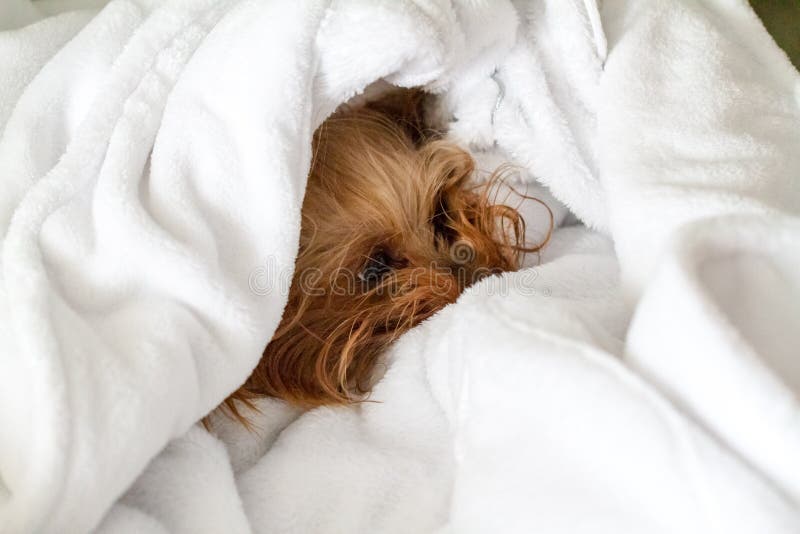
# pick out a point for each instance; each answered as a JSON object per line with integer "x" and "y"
{"x": 392, "y": 231}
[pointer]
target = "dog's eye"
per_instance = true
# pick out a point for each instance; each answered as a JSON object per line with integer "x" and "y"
{"x": 378, "y": 265}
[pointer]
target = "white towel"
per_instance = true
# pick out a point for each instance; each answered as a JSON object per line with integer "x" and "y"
{"x": 152, "y": 165}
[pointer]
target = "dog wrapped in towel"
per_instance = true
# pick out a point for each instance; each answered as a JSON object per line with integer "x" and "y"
{"x": 641, "y": 375}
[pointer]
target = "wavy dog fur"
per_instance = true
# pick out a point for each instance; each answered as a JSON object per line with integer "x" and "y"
{"x": 392, "y": 231}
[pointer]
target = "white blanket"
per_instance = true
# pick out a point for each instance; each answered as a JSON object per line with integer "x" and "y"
{"x": 643, "y": 378}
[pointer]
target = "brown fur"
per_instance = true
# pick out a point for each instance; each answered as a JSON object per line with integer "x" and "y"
{"x": 381, "y": 191}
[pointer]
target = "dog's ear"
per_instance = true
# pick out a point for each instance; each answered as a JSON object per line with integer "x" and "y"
{"x": 469, "y": 212}
{"x": 405, "y": 107}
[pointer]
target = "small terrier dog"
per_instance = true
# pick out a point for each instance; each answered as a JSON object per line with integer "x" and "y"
{"x": 392, "y": 231}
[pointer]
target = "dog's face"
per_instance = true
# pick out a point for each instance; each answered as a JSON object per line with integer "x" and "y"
{"x": 391, "y": 233}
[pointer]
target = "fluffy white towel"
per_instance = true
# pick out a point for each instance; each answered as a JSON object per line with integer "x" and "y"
{"x": 152, "y": 165}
